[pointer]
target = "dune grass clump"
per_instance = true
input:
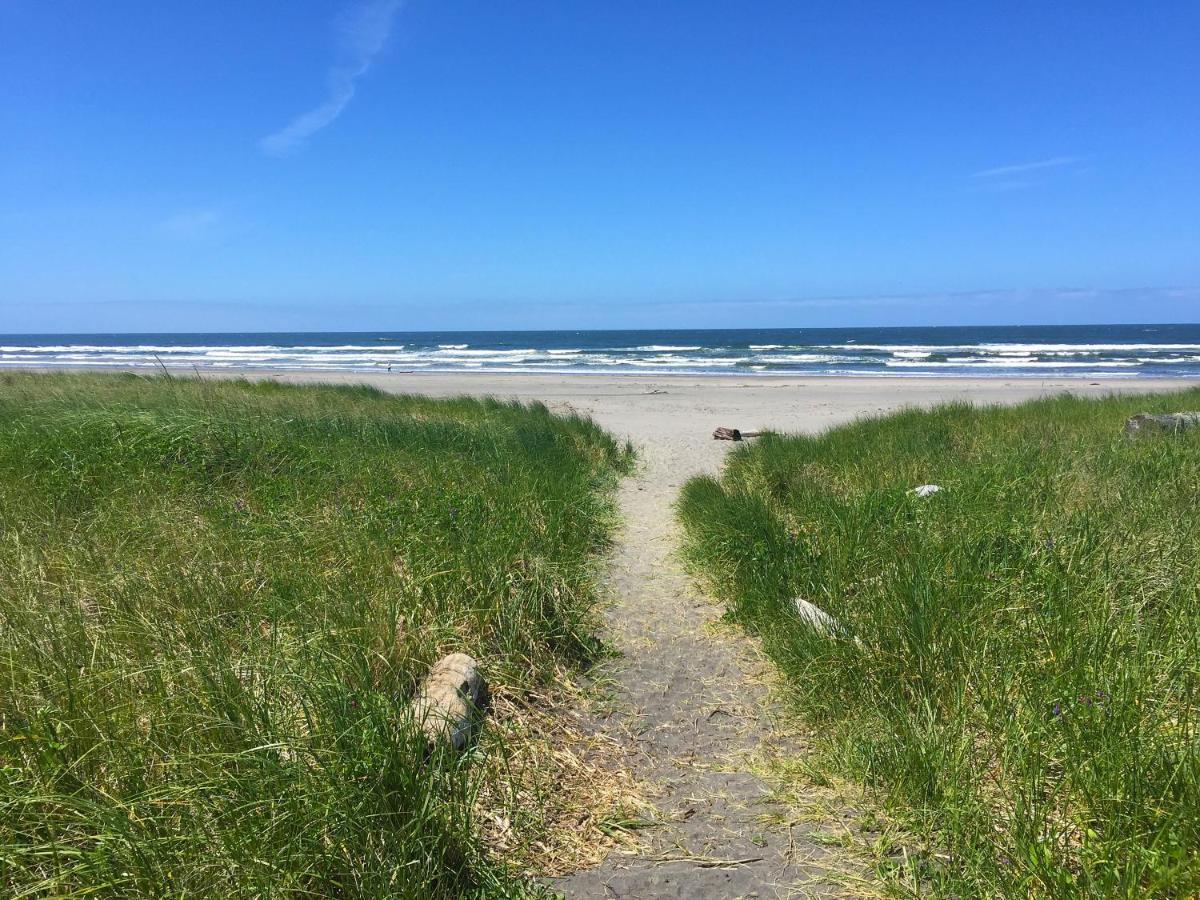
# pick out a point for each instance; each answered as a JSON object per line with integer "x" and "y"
{"x": 1016, "y": 673}
{"x": 217, "y": 600}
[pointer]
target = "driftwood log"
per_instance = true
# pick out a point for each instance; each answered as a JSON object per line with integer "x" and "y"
{"x": 447, "y": 706}
{"x": 1162, "y": 423}
{"x": 733, "y": 434}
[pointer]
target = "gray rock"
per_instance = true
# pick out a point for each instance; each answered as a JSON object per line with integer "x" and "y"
{"x": 1161, "y": 423}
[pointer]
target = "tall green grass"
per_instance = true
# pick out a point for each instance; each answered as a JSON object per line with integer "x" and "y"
{"x": 1018, "y": 677}
{"x": 216, "y": 600}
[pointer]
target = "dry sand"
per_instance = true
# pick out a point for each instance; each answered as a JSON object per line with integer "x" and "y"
{"x": 671, "y": 418}
{"x": 688, "y": 699}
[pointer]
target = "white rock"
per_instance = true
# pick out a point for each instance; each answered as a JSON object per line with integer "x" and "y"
{"x": 817, "y": 618}
{"x": 822, "y": 622}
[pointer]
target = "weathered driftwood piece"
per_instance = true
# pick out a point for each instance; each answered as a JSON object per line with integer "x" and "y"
{"x": 733, "y": 434}
{"x": 1162, "y": 423}
{"x": 447, "y": 706}
{"x": 925, "y": 490}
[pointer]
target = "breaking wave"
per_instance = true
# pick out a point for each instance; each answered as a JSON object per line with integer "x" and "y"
{"x": 763, "y": 352}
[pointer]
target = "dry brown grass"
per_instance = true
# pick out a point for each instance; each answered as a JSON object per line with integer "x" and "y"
{"x": 573, "y": 787}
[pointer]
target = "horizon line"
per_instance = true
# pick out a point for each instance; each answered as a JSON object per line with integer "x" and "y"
{"x": 27, "y": 334}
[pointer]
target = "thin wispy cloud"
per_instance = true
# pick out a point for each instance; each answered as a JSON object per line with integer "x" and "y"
{"x": 363, "y": 31}
{"x": 1054, "y": 162}
{"x": 1002, "y": 185}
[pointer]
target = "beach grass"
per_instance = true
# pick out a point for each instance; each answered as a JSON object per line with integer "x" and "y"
{"x": 1014, "y": 669}
{"x": 217, "y": 599}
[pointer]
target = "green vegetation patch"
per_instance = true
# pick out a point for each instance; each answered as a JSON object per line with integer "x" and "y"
{"x": 1014, "y": 670}
{"x": 217, "y": 600}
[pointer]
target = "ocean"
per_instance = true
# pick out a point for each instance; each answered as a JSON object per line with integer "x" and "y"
{"x": 1084, "y": 351}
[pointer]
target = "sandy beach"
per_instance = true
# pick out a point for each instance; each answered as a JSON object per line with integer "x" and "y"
{"x": 670, "y": 418}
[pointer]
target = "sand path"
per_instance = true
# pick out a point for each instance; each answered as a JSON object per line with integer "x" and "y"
{"x": 689, "y": 705}
{"x": 687, "y": 701}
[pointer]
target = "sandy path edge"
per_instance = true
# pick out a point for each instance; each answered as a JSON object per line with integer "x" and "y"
{"x": 689, "y": 708}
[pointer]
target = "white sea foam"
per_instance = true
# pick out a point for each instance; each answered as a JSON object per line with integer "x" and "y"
{"x": 177, "y": 348}
{"x": 683, "y": 361}
{"x": 1087, "y": 348}
{"x": 808, "y": 358}
{"x": 1022, "y": 349}
{"x": 654, "y": 361}
{"x": 849, "y": 358}
{"x": 1014, "y": 363}
{"x": 481, "y": 352}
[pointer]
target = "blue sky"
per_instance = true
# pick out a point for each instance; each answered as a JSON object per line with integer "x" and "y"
{"x": 411, "y": 165}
